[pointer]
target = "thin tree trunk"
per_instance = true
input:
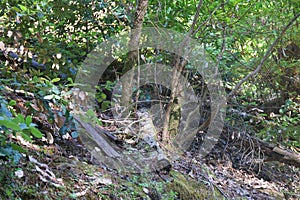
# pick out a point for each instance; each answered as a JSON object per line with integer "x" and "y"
{"x": 133, "y": 56}
{"x": 176, "y": 91}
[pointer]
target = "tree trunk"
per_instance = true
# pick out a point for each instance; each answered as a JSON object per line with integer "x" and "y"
{"x": 133, "y": 56}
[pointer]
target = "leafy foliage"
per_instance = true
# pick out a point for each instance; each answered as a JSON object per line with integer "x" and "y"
{"x": 59, "y": 33}
{"x": 16, "y": 124}
{"x": 283, "y": 128}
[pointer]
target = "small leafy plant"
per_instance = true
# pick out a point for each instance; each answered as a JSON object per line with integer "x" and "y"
{"x": 102, "y": 94}
{"x": 15, "y": 124}
{"x": 284, "y": 126}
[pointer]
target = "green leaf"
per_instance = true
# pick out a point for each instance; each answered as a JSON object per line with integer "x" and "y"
{"x": 35, "y": 132}
{"x": 28, "y": 120}
{"x": 24, "y": 8}
{"x": 16, "y": 9}
{"x": 35, "y": 79}
{"x": 25, "y": 136}
{"x": 8, "y": 192}
{"x": 10, "y": 124}
{"x": 18, "y": 148}
{"x": 12, "y": 103}
{"x": 55, "y": 80}
{"x": 90, "y": 113}
{"x": 70, "y": 80}
{"x": 20, "y": 118}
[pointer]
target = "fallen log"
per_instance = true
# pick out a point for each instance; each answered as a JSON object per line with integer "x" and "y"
{"x": 98, "y": 137}
{"x": 276, "y": 153}
{"x": 104, "y": 147}
{"x": 270, "y": 152}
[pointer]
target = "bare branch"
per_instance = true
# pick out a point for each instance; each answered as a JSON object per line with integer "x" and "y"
{"x": 195, "y": 18}
{"x": 267, "y": 54}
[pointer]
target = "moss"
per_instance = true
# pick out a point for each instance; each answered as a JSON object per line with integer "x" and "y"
{"x": 188, "y": 188}
{"x": 174, "y": 121}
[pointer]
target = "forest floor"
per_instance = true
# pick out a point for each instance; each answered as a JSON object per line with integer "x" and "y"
{"x": 65, "y": 169}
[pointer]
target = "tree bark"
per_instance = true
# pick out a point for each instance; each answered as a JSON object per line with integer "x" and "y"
{"x": 177, "y": 90}
{"x": 133, "y": 56}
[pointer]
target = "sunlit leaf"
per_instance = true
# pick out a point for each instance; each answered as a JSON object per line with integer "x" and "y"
{"x": 23, "y": 126}
{"x": 10, "y": 124}
{"x": 35, "y": 132}
{"x": 12, "y": 103}
{"x": 55, "y": 80}
{"x": 28, "y": 120}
